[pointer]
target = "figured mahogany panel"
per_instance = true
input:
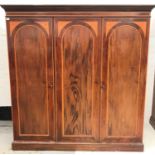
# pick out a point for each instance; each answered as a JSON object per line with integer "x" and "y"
{"x": 124, "y": 60}
{"x": 30, "y": 47}
{"x": 77, "y": 46}
{"x": 77, "y": 71}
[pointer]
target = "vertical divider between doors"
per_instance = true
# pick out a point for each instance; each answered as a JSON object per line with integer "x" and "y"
{"x": 55, "y": 60}
{"x": 100, "y": 105}
{"x": 53, "y": 74}
{"x": 101, "y": 51}
{"x": 103, "y": 103}
{"x": 55, "y": 106}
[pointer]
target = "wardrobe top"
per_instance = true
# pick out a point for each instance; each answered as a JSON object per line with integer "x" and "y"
{"x": 46, "y": 8}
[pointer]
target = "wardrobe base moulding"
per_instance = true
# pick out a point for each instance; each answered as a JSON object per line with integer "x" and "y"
{"x": 77, "y": 146}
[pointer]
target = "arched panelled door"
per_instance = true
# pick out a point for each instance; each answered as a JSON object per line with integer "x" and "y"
{"x": 77, "y": 67}
{"x": 126, "y": 64}
{"x": 30, "y": 49}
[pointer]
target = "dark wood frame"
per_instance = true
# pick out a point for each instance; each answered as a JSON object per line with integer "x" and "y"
{"x": 45, "y": 8}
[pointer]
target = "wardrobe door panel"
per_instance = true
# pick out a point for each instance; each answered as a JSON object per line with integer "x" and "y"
{"x": 30, "y": 77}
{"x": 77, "y": 69}
{"x": 126, "y": 55}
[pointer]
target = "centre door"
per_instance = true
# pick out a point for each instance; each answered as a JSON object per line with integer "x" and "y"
{"x": 77, "y": 56}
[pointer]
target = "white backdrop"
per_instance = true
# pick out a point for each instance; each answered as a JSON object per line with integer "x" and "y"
{"x": 5, "y": 99}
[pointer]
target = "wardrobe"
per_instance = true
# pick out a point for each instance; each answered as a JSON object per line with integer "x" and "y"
{"x": 78, "y": 76}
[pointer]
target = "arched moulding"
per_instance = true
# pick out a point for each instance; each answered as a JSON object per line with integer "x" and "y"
{"x": 64, "y": 25}
{"x": 139, "y": 25}
{"x": 116, "y": 25}
{"x": 15, "y": 25}
{"x": 124, "y": 47}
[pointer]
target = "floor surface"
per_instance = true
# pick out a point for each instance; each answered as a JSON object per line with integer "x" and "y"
{"x": 6, "y": 137}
